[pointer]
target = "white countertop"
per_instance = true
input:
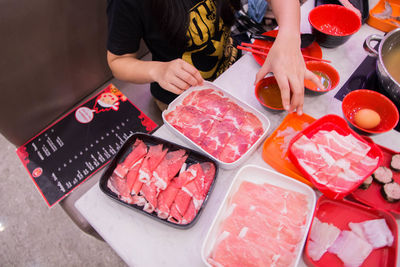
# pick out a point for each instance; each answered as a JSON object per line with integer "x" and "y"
{"x": 143, "y": 241}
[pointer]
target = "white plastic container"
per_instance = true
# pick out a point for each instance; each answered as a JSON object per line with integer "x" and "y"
{"x": 209, "y": 85}
{"x": 258, "y": 175}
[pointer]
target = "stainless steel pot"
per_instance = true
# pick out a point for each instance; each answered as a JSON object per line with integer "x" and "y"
{"x": 386, "y": 43}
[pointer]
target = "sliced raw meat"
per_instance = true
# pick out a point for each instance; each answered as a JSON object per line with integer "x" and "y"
{"x": 181, "y": 203}
{"x": 263, "y": 226}
{"x": 376, "y": 232}
{"x": 190, "y": 213}
{"x": 335, "y": 144}
{"x": 133, "y": 174}
{"x": 359, "y": 151}
{"x": 236, "y": 114}
{"x": 168, "y": 168}
{"x": 218, "y": 137}
{"x": 351, "y": 249}
{"x": 191, "y": 122}
{"x": 322, "y": 236}
{"x": 209, "y": 101}
{"x": 308, "y": 155}
{"x": 237, "y": 146}
{"x": 121, "y": 170}
{"x": 252, "y": 127}
{"x": 166, "y": 198}
{"x": 155, "y": 155}
{"x": 119, "y": 187}
{"x": 139, "y": 150}
{"x": 188, "y": 175}
{"x": 150, "y": 192}
{"x": 209, "y": 173}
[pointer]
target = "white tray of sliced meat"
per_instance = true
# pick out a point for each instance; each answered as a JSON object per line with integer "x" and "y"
{"x": 217, "y": 123}
{"x": 263, "y": 221}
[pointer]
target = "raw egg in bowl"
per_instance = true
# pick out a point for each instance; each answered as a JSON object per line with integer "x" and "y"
{"x": 369, "y": 111}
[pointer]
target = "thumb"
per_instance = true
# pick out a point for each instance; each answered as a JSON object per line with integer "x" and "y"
{"x": 261, "y": 73}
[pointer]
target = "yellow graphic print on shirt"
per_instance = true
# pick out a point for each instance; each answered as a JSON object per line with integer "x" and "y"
{"x": 210, "y": 50}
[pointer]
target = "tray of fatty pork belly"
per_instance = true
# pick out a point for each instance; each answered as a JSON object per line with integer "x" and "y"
{"x": 161, "y": 179}
{"x": 334, "y": 157}
{"x": 345, "y": 233}
{"x": 222, "y": 126}
{"x": 262, "y": 221}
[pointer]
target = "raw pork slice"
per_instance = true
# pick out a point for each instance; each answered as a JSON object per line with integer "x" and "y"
{"x": 218, "y": 137}
{"x": 133, "y": 174}
{"x": 262, "y": 226}
{"x": 335, "y": 144}
{"x": 322, "y": 236}
{"x": 209, "y": 101}
{"x": 308, "y": 155}
{"x": 191, "y": 122}
{"x": 351, "y": 249}
{"x": 252, "y": 127}
{"x": 376, "y": 232}
{"x": 150, "y": 192}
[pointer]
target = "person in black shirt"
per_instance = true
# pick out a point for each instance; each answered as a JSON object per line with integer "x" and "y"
{"x": 190, "y": 41}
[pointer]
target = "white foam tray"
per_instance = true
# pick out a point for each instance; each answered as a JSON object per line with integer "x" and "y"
{"x": 209, "y": 85}
{"x": 259, "y": 175}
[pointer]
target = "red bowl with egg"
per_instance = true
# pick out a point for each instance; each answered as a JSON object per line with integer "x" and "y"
{"x": 333, "y": 24}
{"x": 328, "y": 75}
{"x": 368, "y": 99}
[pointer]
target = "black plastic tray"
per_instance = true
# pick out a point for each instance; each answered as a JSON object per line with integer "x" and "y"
{"x": 193, "y": 158}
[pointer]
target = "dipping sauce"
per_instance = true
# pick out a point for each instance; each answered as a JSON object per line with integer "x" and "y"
{"x": 391, "y": 61}
{"x": 367, "y": 118}
{"x": 270, "y": 95}
{"x": 326, "y": 82}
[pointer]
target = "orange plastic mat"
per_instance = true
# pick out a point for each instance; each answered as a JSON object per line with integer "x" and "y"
{"x": 385, "y": 25}
{"x": 275, "y": 146}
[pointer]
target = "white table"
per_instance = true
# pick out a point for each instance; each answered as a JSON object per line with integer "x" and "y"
{"x": 142, "y": 241}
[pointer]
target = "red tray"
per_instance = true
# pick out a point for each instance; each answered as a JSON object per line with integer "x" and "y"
{"x": 329, "y": 123}
{"x": 340, "y": 213}
{"x": 314, "y": 50}
{"x": 372, "y": 196}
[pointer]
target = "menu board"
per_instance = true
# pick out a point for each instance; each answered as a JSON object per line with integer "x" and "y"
{"x": 80, "y": 143}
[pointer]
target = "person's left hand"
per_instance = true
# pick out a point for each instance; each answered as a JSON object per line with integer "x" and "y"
{"x": 286, "y": 62}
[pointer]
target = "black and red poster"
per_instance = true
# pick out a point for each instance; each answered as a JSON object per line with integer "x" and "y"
{"x": 76, "y": 146}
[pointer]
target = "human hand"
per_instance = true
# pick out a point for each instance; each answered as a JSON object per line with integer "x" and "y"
{"x": 286, "y": 62}
{"x": 176, "y": 76}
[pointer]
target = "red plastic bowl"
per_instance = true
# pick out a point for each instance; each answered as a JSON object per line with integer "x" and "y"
{"x": 333, "y": 24}
{"x": 262, "y": 85}
{"x": 340, "y": 213}
{"x": 329, "y": 123}
{"x": 329, "y": 71}
{"x": 363, "y": 98}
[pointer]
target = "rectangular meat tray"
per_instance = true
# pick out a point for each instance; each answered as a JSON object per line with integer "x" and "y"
{"x": 209, "y": 85}
{"x": 193, "y": 158}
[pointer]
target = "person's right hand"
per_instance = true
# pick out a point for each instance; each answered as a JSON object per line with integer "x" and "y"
{"x": 176, "y": 76}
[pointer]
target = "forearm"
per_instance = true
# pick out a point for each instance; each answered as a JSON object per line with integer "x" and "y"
{"x": 130, "y": 69}
{"x": 287, "y": 14}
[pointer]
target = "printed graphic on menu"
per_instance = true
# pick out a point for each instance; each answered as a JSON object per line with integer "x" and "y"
{"x": 76, "y": 146}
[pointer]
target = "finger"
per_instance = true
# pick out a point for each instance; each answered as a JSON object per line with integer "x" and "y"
{"x": 283, "y": 84}
{"x": 193, "y": 71}
{"x": 172, "y": 88}
{"x": 262, "y": 73}
{"x": 179, "y": 83}
{"x": 309, "y": 75}
{"x": 187, "y": 77}
{"x": 297, "y": 100}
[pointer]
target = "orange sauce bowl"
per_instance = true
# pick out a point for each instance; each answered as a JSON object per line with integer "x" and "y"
{"x": 328, "y": 75}
{"x": 269, "y": 95}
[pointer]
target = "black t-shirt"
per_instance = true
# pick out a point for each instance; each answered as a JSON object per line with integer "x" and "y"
{"x": 210, "y": 50}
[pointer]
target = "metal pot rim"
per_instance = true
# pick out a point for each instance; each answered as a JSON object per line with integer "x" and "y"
{"x": 395, "y": 31}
